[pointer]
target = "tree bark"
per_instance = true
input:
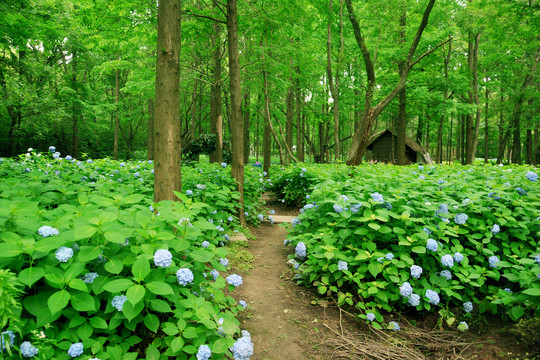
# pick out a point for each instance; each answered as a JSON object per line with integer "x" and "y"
{"x": 216, "y": 118}
{"x": 439, "y": 157}
{"x": 237, "y": 135}
{"x": 333, "y": 88}
{"x": 471, "y": 133}
{"x": 150, "y": 154}
{"x": 269, "y": 120}
{"x": 299, "y": 119}
{"x": 246, "y": 113}
{"x": 167, "y": 177}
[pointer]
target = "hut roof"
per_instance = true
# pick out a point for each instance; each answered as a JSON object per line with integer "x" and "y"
{"x": 408, "y": 141}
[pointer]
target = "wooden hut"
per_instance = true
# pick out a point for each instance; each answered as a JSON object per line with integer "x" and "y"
{"x": 382, "y": 147}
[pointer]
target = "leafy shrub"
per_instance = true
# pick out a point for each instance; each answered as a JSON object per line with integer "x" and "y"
{"x": 82, "y": 239}
{"x": 426, "y": 239}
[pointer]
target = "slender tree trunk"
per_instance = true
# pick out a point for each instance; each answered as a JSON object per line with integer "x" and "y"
{"x": 194, "y": 96}
{"x": 267, "y": 136}
{"x": 167, "y": 130}
{"x": 439, "y": 157}
{"x": 216, "y": 118}
{"x": 116, "y": 114}
{"x": 471, "y": 133}
{"x": 536, "y": 145}
{"x": 486, "y": 129}
{"x": 449, "y": 144}
{"x": 333, "y": 88}
{"x": 269, "y": 119}
{"x": 402, "y": 97}
{"x": 75, "y": 110}
{"x": 150, "y": 154}
{"x": 246, "y": 113}
{"x": 299, "y": 120}
{"x": 237, "y": 134}
{"x": 529, "y": 146}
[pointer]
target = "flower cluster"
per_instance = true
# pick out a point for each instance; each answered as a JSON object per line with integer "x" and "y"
{"x": 370, "y": 316}
{"x": 89, "y": 278}
{"x": 446, "y": 274}
{"x": 416, "y": 271}
{"x": 493, "y": 260}
{"x": 447, "y": 260}
{"x": 461, "y": 218}
{"x": 235, "y": 280}
{"x": 394, "y": 326}
{"x": 389, "y": 256}
{"x": 377, "y": 197}
{"x": 495, "y": 229}
{"x": 76, "y": 350}
{"x": 338, "y": 208}
{"x": 342, "y": 265}
{"x": 162, "y": 258}
{"x": 468, "y": 307}
{"x": 28, "y": 350}
{"x": 118, "y": 302}
{"x": 3, "y": 339}
{"x": 63, "y": 254}
{"x": 224, "y": 262}
{"x": 243, "y": 347}
{"x": 184, "y": 276}
{"x": 301, "y": 250}
{"x": 432, "y": 245}
{"x": 531, "y": 176}
{"x": 414, "y": 300}
{"x": 432, "y": 296}
{"x": 355, "y": 208}
{"x": 47, "y": 230}
{"x": 458, "y": 257}
{"x": 204, "y": 352}
{"x": 406, "y": 289}
{"x": 243, "y": 304}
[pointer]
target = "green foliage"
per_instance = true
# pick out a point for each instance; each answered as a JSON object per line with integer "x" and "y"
{"x": 101, "y": 211}
{"x": 528, "y": 332}
{"x": 10, "y": 307}
{"x": 345, "y": 223}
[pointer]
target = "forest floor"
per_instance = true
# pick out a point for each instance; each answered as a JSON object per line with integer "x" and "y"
{"x": 292, "y": 322}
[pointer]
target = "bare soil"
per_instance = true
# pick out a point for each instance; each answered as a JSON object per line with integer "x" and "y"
{"x": 291, "y": 322}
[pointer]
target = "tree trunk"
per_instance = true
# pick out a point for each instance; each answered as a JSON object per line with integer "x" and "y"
{"x": 246, "y": 113}
{"x": 237, "y": 134}
{"x": 167, "y": 129}
{"x": 536, "y": 145}
{"x": 267, "y": 136}
{"x": 333, "y": 89}
{"x": 473, "y": 123}
{"x": 486, "y": 129}
{"x": 299, "y": 119}
{"x": 402, "y": 97}
{"x": 269, "y": 120}
{"x": 116, "y": 115}
{"x": 529, "y": 147}
{"x": 150, "y": 154}
{"x": 216, "y": 118}
{"x": 75, "y": 110}
{"x": 439, "y": 157}
{"x": 194, "y": 96}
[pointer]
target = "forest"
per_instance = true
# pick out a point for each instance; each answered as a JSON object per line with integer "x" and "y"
{"x": 318, "y": 78}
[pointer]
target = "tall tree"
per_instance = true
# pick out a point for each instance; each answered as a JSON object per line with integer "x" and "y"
{"x": 167, "y": 130}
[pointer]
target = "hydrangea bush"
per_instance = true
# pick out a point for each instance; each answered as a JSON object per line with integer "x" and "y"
{"x": 97, "y": 261}
{"x": 446, "y": 256}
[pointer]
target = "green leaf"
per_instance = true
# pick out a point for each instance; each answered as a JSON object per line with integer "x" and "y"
{"x": 131, "y": 311}
{"x": 85, "y": 331}
{"x": 169, "y": 328}
{"x": 78, "y": 284}
{"x": 83, "y": 302}
{"x": 177, "y": 344}
{"x": 88, "y": 253}
{"x": 362, "y": 255}
{"x": 114, "y": 266}
{"x": 115, "y": 237}
{"x": 84, "y": 232}
{"x": 151, "y": 321}
{"x": 30, "y": 275}
{"x": 135, "y": 293}
{"x": 152, "y": 353}
{"x": 220, "y": 346}
{"x": 516, "y": 312}
{"x": 58, "y": 301}
{"x": 532, "y": 291}
{"x": 9, "y": 249}
{"x": 98, "y": 323}
{"x": 141, "y": 268}
{"x": 159, "y": 288}
{"x": 375, "y": 268}
{"x": 118, "y": 285}
{"x": 419, "y": 249}
{"x": 160, "y": 305}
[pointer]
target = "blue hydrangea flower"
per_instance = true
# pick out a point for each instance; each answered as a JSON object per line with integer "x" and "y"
{"x": 47, "y": 230}
{"x": 355, "y": 208}
{"x": 243, "y": 304}
{"x": 461, "y": 218}
{"x": 377, "y": 197}
{"x": 260, "y": 217}
{"x": 3, "y": 337}
{"x": 443, "y": 209}
{"x": 210, "y": 221}
{"x": 465, "y": 326}
{"x": 468, "y": 307}
{"x": 90, "y": 277}
{"x": 344, "y": 198}
{"x": 28, "y": 350}
{"x": 204, "y": 352}
{"x": 89, "y": 161}
{"x": 223, "y": 164}
{"x": 243, "y": 347}
{"x": 531, "y": 176}
{"x": 214, "y": 274}
{"x": 230, "y": 219}
{"x": 414, "y": 300}
{"x": 118, "y": 302}
{"x": 337, "y": 208}
{"x": 426, "y": 230}
{"x": 458, "y": 257}
{"x": 370, "y": 316}
{"x": 520, "y": 191}
{"x": 56, "y": 155}
{"x": 421, "y": 177}
{"x": 63, "y": 254}
{"x": 432, "y": 245}
{"x": 272, "y": 212}
{"x": 447, "y": 260}
{"x": 271, "y": 219}
{"x": 432, "y": 296}
{"x": 184, "y": 221}
{"x": 495, "y": 229}
{"x": 406, "y": 289}
{"x": 68, "y": 157}
{"x": 537, "y": 259}
{"x": 508, "y": 290}
{"x": 201, "y": 186}
{"x": 235, "y": 280}
{"x": 395, "y": 325}
{"x": 446, "y": 274}
{"x": 493, "y": 260}
{"x": 246, "y": 214}
{"x": 416, "y": 271}
{"x": 380, "y": 259}
{"x": 389, "y": 256}
{"x": 52, "y": 149}
{"x": 76, "y": 350}
{"x": 295, "y": 222}
{"x": 184, "y": 276}
{"x": 189, "y": 192}
{"x": 224, "y": 262}
{"x": 342, "y": 265}
{"x": 162, "y": 258}
{"x": 205, "y": 244}
{"x": 300, "y": 250}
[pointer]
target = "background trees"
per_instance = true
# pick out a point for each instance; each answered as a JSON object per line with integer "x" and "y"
{"x": 80, "y": 74}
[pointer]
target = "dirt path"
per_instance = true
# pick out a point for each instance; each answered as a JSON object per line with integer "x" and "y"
{"x": 280, "y": 316}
